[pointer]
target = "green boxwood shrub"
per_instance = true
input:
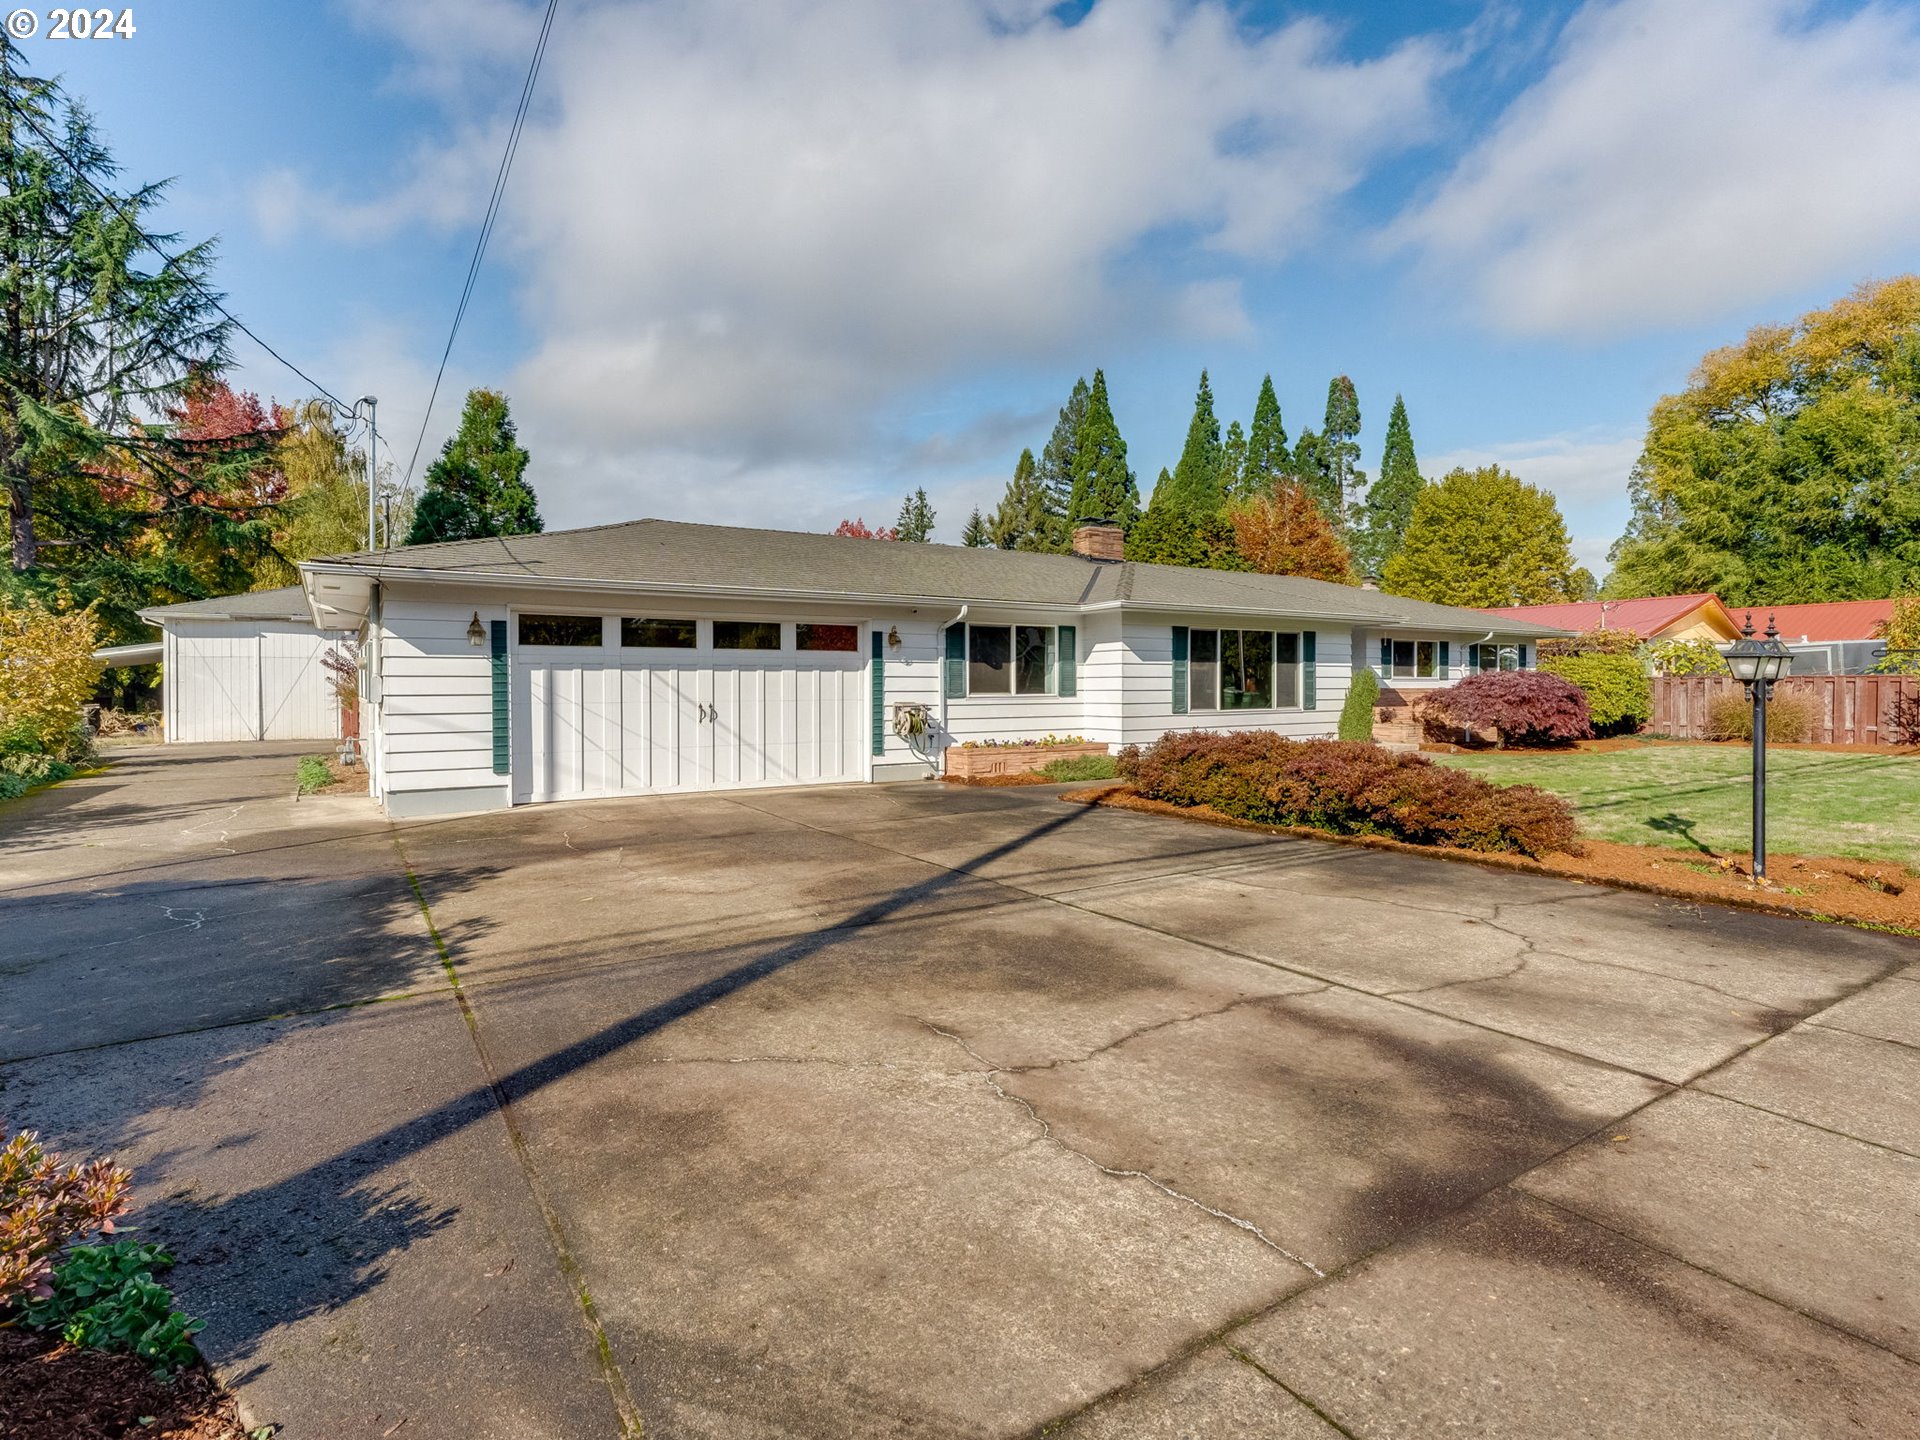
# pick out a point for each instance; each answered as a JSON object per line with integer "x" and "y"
{"x": 1347, "y": 788}
{"x": 1619, "y": 694}
{"x": 1356, "y": 715}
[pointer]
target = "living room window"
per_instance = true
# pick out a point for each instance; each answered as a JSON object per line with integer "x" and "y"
{"x": 1010, "y": 659}
{"x": 1415, "y": 659}
{"x": 1243, "y": 670}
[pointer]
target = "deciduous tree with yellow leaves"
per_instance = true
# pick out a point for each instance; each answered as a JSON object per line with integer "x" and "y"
{"x": 47, "y": 671}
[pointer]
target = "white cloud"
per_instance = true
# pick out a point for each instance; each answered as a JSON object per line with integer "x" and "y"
{"x": 749, "y": 229}
{"x": 1682, "y": 159}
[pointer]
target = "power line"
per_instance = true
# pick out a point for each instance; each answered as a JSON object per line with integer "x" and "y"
{"x": 124, "y": 205}
{"x": 486, "y": 225}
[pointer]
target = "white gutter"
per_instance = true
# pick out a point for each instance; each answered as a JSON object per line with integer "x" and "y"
{"x": 941, "y": 661}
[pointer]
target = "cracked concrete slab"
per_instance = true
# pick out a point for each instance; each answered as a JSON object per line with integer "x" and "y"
{"x": 1887, "y": 1011}
{"x": 1214, "y": 1393}
{"x": 1857, "y": 1085}
{"x": 1820, "y": 1222}
{"x": 822, "y": 1250}
{"x": 1334, "y": 1121}
{"x": 316, "y": 1179}
{"x": 1516, "y": 1318}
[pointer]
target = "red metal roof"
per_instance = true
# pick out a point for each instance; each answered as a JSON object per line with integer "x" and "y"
{"x": 1646, "y": 617}
{"x": 1836, "y": 620}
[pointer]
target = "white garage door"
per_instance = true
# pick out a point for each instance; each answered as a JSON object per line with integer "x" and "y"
{"x": 584, "y": 728}
{"x": 250, "y": 680}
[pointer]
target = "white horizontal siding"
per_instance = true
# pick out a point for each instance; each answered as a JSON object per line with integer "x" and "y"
{"x": 1148, "y": 683}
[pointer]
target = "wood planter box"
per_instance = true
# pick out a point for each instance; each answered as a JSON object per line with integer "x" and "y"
{"x": 972, "y": 762}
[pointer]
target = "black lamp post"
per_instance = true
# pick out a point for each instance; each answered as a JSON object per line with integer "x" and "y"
{"x": 1756, "y": 664}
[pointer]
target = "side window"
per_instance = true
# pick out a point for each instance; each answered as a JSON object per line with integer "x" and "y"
{"x": 746, "y": 634}
{"x": 559, "y": 629}
{"x": 656, "y": 634}
{"x": 827, "y": 637}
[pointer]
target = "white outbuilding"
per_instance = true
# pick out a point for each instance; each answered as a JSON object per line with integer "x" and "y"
{"x": 245, "y": 667}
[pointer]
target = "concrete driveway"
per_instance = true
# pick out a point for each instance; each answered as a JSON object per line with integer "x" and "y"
{"x": 912, "y": 1111}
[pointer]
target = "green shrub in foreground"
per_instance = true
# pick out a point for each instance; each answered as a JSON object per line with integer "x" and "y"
{"x": 104, "y": 1297}
{"x": 1356, "y": 715}
{"x": 1347, "y": 789}
{"x": 313, "y": 773}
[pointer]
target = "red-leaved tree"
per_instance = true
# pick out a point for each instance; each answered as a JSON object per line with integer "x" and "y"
{"x": 1285, "y": 532}
{"x": 860, "y": 530}
{"x": 1528, "y": 707}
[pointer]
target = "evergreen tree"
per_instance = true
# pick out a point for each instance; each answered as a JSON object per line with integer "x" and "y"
{"x": 1233, "y": 463}
{"x": 107, "y": 326}
{"x": 1340, "y": 451}
{"x": 1057, "y": 459}
{"x": 974, "y": 536}
{"x": 1023, "y": 521}
{"x": 1196, "y": 489}
{"x": 1167, "y": 535}
{"x": 1390, "y": 501}
{"x": 1484, "y": 538}
{"x": 916, "y": 519}
{"x": 1268, "y": 460}
{"x": 1310, "y": 471}
{"x": 1103, "y": 486}
{"x": 477, "y": 488}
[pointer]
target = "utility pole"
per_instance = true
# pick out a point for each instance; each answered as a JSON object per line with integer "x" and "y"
{"x": 373, "y": 467}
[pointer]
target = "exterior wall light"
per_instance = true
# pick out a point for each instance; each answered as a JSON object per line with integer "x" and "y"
{"x": 476, "y": 632}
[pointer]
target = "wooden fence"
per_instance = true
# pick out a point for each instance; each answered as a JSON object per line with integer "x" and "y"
{"x": 1848, "y": 709}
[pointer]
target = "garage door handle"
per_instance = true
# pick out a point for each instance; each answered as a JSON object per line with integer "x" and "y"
{"x": 713, "y": 712}
{"x": 703, "y": 712}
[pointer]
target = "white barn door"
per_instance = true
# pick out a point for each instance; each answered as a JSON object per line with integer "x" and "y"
{"x": 249, "y": 680}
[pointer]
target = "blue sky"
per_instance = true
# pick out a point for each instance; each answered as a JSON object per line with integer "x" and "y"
{"x": 765, "y": 261}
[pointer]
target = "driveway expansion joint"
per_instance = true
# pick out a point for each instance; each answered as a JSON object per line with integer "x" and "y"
{"x": 1117, "y": 1172}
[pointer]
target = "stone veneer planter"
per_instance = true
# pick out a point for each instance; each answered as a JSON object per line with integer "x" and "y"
{"x": 971, "y": 762}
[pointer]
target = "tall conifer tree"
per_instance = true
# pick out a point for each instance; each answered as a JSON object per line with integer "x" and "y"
{"x": 1023, "y": 520}
{"x": 1056, "y": 467}
{"x": 1196, "y": 488}
{"x": 1340, "y": 450}
{"x": 915, "y": 523}
{"x": 477, "y": 488}
{"x": 1268, "y": 460}
{"x": 1390, "y": 500}
{"x": 974, "y": 536}
{"x": 1103, "y": 486}
{"x": 1233, "y": 461}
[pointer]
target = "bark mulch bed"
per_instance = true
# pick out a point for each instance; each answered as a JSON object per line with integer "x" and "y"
{"x": 51, "y": 1391}
{"x": 998, "y": 782}
{"x": 1876, "y": 894}
{"x": 347, "y": 779}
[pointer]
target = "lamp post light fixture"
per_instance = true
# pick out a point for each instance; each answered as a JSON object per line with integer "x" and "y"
{"x": 1756, "y": 664}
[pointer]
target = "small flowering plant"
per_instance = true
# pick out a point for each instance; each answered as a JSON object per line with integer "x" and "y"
{"x": 1044, "y": 740}
{"x": 44, "y": 1206}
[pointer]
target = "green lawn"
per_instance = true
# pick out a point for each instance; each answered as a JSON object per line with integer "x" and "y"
{"x": 1698, "y": 797}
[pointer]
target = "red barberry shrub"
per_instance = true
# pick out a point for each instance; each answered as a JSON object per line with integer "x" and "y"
{"x": 1347, "y": 787}
{"x": 1527, "y": 707}
{"x": 44, "y": 1206}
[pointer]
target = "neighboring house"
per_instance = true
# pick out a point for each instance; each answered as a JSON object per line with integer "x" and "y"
{"x": 244, "y": 667}
{"x": 1839, "y": 638}
{"x": 1653, "y": 618}
{"x": 658, "y": 656}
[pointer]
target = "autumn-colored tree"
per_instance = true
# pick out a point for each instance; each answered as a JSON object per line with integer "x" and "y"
{"x": 1788, "y": 470}
{"x": 1484, "y": 538}
{"x": 47, "y": 670}
{"x": 1284, "y": 532}
{"x": 1902, "y": 634}
{"x": 860, "y": 530}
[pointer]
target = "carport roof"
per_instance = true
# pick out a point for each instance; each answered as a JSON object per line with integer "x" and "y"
{"x": 656, "y": 555}
{"x": 289, "y": 602}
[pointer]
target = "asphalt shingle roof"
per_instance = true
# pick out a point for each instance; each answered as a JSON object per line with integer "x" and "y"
{"x": 724, "y": 557}
{"x": 289, "y": 602}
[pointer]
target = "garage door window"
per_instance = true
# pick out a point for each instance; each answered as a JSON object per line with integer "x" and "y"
{"x": 559, "y": 629}
{"x": 657, "y": 634}
{"x": 827, "y": 637}
{"x": 746, "y": 634}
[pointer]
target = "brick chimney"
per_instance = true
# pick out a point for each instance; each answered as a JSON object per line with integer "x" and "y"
{"x": 1099, "y": 540}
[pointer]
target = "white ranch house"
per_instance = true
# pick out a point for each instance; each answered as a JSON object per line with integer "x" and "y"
{"x": 659, "y": 656}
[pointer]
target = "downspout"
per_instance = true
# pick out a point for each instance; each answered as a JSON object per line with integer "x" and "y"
{"x": 959, "y": 619}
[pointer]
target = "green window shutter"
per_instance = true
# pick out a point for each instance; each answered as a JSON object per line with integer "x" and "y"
{"x": 1068, "y": 659}
{"x": 1446, "y": 660}
{"x": 497, "y": 659}
{"x": 879, "y": 692}
{"x": 1309, "y": 670}
{"x": 1523, "y": 657}
{"x": 1180, "y": 669}
{"x": 956, "y": 676}
{"x": 1386, "y": 657}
